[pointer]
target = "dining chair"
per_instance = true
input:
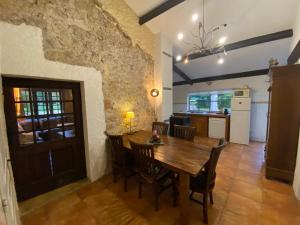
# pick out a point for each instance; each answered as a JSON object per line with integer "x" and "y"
{"x": 204, "y": 183}
{"x": 184, "y": 132}
{"x": 122, "y": 160}
{"x": 161, "y": 127}
{"x": 150, "y": 171}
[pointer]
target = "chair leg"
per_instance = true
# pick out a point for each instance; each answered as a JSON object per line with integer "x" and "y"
{"x": 140, "y": 189}
{"x": 175, "y": 191}
{"x": 211, "y": 198}
{"x": 205, "y": 215}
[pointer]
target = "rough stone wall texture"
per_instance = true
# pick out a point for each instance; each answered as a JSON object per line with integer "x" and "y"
{"x": 140, "y": 35}
{"x": 82, "y": 32}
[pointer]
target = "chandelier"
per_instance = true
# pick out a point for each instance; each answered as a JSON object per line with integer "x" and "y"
{"x": 204, "y": 43}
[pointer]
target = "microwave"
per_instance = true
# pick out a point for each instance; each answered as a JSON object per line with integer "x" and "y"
{"x": 241, "y": 93}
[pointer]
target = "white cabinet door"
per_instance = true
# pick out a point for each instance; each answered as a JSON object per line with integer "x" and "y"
{"x": 216, "y": 127}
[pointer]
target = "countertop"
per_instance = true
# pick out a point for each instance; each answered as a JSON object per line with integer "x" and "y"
{"x": 220, "y": 115}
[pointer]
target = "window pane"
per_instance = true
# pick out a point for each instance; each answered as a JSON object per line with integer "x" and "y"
{"x": 24, "y": 124}
{"x": 21, "y": 94}
{"x": 68, "y": 107}
{"x": 55, "y": 134}
{"x": 41, "y": 136}
{"x": 23, "y": 109}
{"x": 70, "y": 132}
{"x": 26, "y": 138}
{"x": 67, "y": 94}
{"x": 68, "y": 119}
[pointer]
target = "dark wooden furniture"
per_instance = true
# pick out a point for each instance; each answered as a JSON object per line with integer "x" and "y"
{"x": 122, "y": 161}
{"x": 184, "y": 157}
{"x": 184, "y": 132}
{"x": 201, "y": 122}
{"x": 45, "y": 134}
{"x": 161, "y": 127}
{"x": 178, "y": 120}
{"x": 204, "y": 183}
{"x": 150, "y": 171}
{"x": 284, "y": 121}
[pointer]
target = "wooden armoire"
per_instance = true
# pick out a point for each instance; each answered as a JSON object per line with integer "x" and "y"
{"x": 284, "y": 122}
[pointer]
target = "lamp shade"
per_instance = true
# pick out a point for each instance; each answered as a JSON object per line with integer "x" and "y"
{"x": 154, "y": 92}
{"x": 130, "y": 115}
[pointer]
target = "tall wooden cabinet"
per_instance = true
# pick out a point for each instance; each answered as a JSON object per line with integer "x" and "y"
{"x": 284, "y": 121}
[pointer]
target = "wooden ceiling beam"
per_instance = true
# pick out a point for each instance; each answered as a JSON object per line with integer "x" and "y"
{"x": 158, "y": 10}
{"x": 183, "y": 75}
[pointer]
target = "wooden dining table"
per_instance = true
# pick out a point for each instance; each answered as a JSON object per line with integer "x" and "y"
{"x": 183, "y": 157}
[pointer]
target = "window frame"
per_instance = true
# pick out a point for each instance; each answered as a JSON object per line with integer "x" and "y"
{"x": 210, "y": 93}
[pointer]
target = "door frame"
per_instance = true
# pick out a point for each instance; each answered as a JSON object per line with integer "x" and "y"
{"x": 8, "y": 83}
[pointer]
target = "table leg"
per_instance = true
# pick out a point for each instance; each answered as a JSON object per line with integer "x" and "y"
{"x": 184, "y": 187}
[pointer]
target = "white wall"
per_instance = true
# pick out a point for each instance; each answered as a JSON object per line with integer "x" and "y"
{"x": 296, "y": 29}
{"x": 22, "y": 56}
{"x": 259, "y": 86}
{"x": 163, "y": 71}
{"x": 296, "y": 184}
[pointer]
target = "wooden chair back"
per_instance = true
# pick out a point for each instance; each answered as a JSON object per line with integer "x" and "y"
{"x": 116, "y": 147}
{"x": 185, "y": 132}
{"x": 211, "y": 165}
{"x": 144, "y": 159}
{"x": 161, "y": 127}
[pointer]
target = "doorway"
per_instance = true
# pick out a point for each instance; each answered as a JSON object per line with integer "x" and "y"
{"x": 45, "y": 134}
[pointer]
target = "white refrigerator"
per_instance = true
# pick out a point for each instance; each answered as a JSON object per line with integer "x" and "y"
{"x": 240, "y": 120}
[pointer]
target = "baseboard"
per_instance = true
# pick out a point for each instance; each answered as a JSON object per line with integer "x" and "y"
{"x": 282, "y": 175}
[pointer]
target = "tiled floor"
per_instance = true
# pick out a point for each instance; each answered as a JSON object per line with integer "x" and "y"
{"x": 242, "y": 196}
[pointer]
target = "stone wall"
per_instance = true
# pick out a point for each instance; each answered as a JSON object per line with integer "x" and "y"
{"x": 82, "y": 32}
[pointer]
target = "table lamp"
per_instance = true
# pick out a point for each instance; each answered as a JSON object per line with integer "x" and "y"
{"x": 129, "y": 117}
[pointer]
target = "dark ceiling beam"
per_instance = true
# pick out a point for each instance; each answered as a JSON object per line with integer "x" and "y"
{"x": 295, "y": 55}
{"x": 182, "y": 74}
{"x": 246, "y": 43}
{"x": 225, "y": 77}
{"x": 158, "y": 10}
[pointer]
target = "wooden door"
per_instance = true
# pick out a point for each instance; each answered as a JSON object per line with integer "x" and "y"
{"x": 44, "y": 126}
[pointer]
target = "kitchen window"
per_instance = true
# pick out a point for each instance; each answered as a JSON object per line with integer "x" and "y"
{"x": 215, "y": 101}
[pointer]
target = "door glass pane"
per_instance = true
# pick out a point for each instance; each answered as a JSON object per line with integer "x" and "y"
{"x": 41, "y": 136}
{"x": 67, "y": 94}
{"x": 21, "y": 94}
{"x": 55, "y": 134}
{"x": 68, "y": 107}
{"x": 24, "y": 124}
{"x": 41, "y": 123}
{"x": 54, "y": 107}
{"x": 38, "y": 94}
{"x": 55, "y": 121}
{"x": 69, "y": 132}
{"x": 68, "y": 119}
{"x": 26, "y": 138}
{"x": 53, "y": 94}
{"x": 41, "y": 108}
{"x": 23, "y": 109}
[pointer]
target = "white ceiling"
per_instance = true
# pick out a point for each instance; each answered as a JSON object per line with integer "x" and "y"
{"x": 245, "y": 19}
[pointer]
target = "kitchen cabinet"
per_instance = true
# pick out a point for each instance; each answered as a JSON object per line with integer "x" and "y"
{"x": 201, "y": 124}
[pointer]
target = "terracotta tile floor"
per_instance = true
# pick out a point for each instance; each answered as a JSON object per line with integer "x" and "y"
{"x": 242, "y": 196}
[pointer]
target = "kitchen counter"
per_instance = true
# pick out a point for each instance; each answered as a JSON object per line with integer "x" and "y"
{"x": 201, "y": 122}
{"x": 219, "y": 115}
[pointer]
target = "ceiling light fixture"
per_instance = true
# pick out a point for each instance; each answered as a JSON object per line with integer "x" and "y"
{"x": 178, "y": 58}
{"x": 222, "y": 40}
{"x": 195, "y": 17}
{"x": 180, "y": 36}
{"x": 220, "y": 60}
{"x": 204, "y": 44}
